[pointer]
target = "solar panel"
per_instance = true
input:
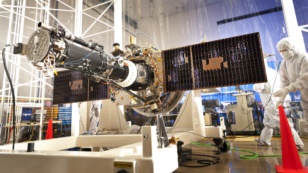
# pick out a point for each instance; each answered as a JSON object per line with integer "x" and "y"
{"x": 226, "y": 62}
{"x": 72, "y": 86}
{"x": 98, "y": 91}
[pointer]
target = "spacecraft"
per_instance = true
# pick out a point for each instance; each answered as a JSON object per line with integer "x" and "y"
{"x": 153, "y": 80}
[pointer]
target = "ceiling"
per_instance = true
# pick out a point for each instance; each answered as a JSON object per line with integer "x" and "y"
{"x": 144, "y": 9}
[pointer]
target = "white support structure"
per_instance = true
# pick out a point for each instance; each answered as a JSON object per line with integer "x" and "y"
{"x": 191, "y": 119}
{"x": 190, "y": 116}
{"x": 141, "y": 150}
{"x": 293, "y": 29}
{"x": 118, "y": 36}
{"x": 75, "y": 119}
{"x": 78, "y": 18}
{"x": 48, "y": 157}
{"x": 112, "y": 116}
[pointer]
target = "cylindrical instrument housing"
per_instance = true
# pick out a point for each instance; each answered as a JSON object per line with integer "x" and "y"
{"x": 78, "y": 55}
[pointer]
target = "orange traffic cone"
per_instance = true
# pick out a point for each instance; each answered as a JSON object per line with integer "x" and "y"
{"x": 49, "y": 133}
{"x": 291, "y": 162}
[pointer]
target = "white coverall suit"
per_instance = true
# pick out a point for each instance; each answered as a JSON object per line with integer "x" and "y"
{"x": 294, "y": 73}
{"x": 271, "y": 114}
{"x": 94, "y": 117}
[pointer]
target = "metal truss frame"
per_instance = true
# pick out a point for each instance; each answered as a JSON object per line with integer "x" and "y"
{"x": 292, "y": 27}
{"x": 304, "y": 28}
{"x": 16, "y": 13}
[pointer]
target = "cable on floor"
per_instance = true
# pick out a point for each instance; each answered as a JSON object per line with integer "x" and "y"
{"x": 187, "y": 155}
{"x": 203, "y": 162}
{"x": 251, "y": 155}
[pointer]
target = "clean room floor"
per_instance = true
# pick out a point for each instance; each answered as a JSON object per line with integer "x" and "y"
{"x": 230, "y": 162}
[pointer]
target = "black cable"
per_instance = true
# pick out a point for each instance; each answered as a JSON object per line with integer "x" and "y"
{"x": 203, "y": 162}
{"x": 13, "y": 93}
{"x": 105, "y": 148}
{"x": 247, "y": 126}
{"x": 242, "y": 108}
{"x": 97, "y": 132}
{"x": 76, "y": 62}
{"x": 272, "y": 88}
{"x": 243, "y": 136}
{"x": 127, "y": 91}
{"x": 278, "y": 68}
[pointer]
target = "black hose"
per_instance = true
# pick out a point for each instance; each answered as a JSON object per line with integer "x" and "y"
{"x": 13, "y": 93}
{"x": 203, "y": 162}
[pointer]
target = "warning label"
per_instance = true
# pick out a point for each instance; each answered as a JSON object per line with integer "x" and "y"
{"x": 123, "y": 165}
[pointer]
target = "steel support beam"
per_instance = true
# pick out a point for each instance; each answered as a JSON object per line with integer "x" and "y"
{"x": 293, "y": 29}
{"x": 118, "y": 36}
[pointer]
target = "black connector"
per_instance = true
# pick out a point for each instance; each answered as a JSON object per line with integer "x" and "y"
{"x": 19, "y": 49}
{"x": 30, "y": 147}
{"x": 183, "y": 154}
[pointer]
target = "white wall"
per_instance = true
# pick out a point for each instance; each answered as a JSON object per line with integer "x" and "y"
{"x": 181, "y": 29}
{"x": 186, "y": 27}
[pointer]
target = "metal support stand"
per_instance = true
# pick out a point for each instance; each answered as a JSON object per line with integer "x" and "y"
{"x": 163, "y": 140}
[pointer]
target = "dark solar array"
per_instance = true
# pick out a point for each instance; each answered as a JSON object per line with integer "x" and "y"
{"x": 237, "y": 60}
{"x": 98, "y": 91}
{"x": 72, "y": 86}
{"x": 177, "y": 64}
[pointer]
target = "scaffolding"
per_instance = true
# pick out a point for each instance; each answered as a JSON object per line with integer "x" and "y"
{"x": 32, "y": 87}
